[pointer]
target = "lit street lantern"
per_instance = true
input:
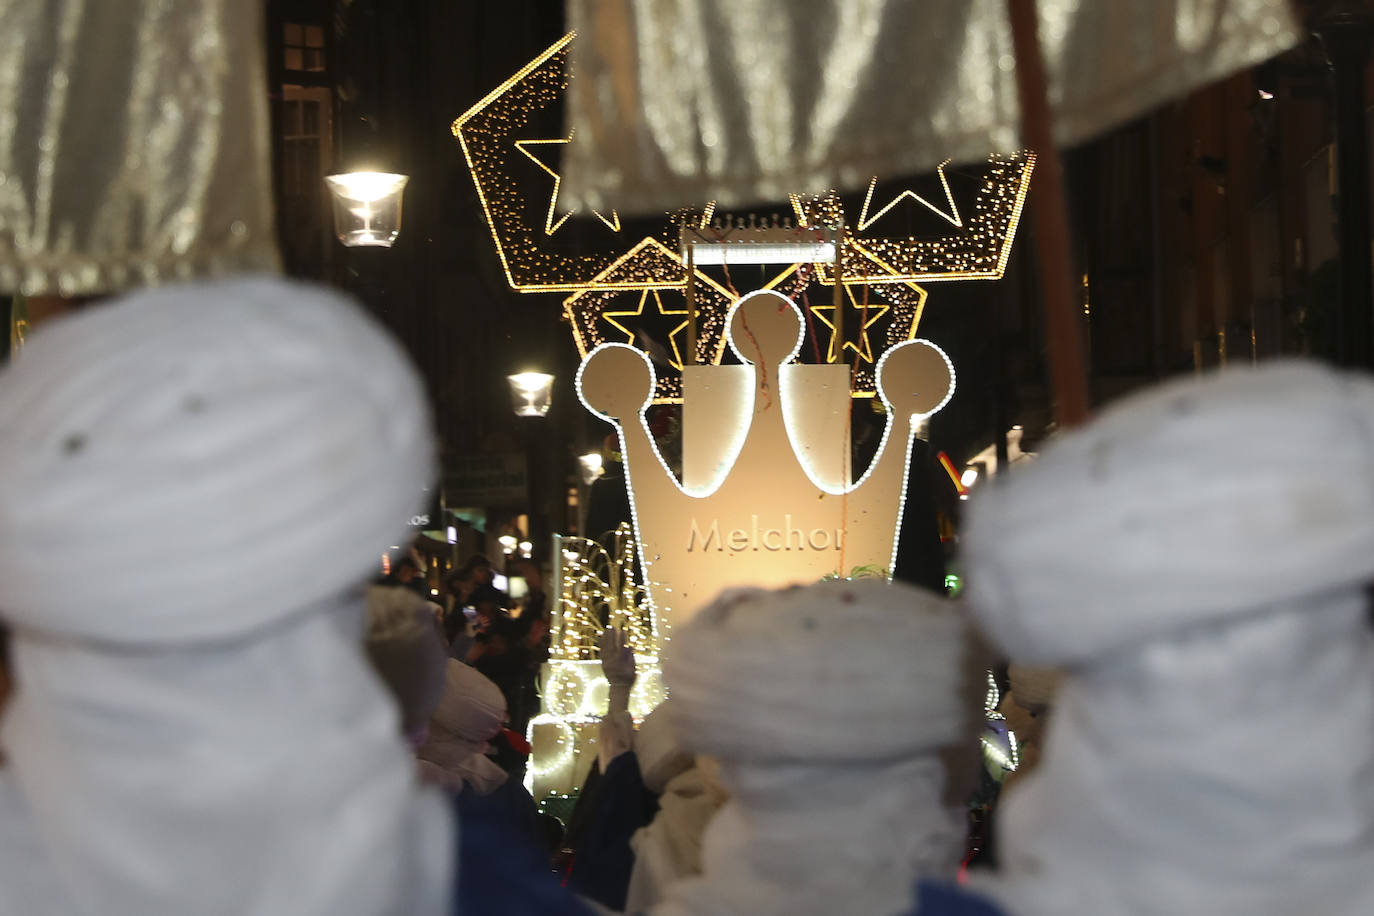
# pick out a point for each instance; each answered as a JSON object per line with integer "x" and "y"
{"x": 367, "y": 207}
{"x": 530, "y": 393}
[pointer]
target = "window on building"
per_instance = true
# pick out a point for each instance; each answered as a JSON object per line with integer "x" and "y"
{"x": 304, "y": 47}
{"x": 306, "y": 154}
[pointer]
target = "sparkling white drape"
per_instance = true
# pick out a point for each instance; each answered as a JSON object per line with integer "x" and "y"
{"x": 679, "y": 102}
{"x": 133, "y": 143}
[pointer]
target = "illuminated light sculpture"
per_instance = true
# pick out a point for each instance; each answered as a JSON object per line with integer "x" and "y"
{"x": 517, "y": 184}
{"x": 978, "y": 249}
{"x": 367, "y": 207}
{"x": 531, "y": 393}
{"x": 597, "y": 313}
{"x": 767, "y": 496}
{"x": 593, "y": 583}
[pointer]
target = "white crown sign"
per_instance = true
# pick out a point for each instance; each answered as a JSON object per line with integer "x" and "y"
{"x": 767, "y": 496}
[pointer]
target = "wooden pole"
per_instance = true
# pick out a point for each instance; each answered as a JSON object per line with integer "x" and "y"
{"x": 1063, "y": 336}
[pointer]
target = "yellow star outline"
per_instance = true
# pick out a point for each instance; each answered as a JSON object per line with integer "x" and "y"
{"x": 863, "y": 347}
{"x": 550, "y": 227}
{"x": 952, "y": 217}
{"x": 638, "y": 312}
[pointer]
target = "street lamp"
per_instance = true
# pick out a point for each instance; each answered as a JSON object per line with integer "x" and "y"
{"x": 367, "y": 207}
{"x": 530, "y": 393}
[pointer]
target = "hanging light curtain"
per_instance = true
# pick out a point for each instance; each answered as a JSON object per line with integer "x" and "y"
{"x": 677, "y": 102}
{"x": 134, "y": 144}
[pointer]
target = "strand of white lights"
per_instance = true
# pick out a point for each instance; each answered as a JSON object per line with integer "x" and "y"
{"x": 916, "y": 419}
{"x": 566, "y": 741}
{"x": 645, "y": 563}
{"x": 913, "y": 421}
{"x": 591, "y": 579}
{"x": 994, "y": 697}
{"x": 1007, "y": 760}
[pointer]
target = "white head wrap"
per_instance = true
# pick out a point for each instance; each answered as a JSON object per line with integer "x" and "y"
{"x": 471, "y": 711}
{"x": 827, "y": 708}
{"x": 194, "y": 479}
{"x": 1196, "y": 558}
{"x": 406, "y": 648}
{"x": 661, "y": 756}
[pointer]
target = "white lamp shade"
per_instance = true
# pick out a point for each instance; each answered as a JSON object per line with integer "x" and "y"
{"x": 367, "y": 207}
{"x": 530, "y": 393}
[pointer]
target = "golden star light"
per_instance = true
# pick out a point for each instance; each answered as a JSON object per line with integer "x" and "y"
{"x": 550, "y": 227}
{"x": 502, "y": 133}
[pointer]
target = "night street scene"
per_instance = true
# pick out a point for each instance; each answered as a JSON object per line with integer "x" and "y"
{"x": 686, "y": 458}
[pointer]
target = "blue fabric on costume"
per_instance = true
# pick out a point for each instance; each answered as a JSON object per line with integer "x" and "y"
{"x": 935, "y": 898}
{"x": 503, "y": 860}
{"x": 603, "y": 859}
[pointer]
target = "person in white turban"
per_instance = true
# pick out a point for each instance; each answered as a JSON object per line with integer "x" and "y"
{"x": 838, "y": 713}
{"x": 470, "y": 713}
{"x": 207, "y": 738}
{"x": 1197, "y": 560}
{"x": 405, "y": 644}
{"x": 689, "y": 795}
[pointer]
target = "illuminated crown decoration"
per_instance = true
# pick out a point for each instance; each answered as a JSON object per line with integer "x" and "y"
{"x": 767, "y": 496}
{"x": 623, "y": 285}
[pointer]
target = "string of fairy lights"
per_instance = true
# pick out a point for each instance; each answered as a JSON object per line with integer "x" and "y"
{"x": 596, "y": 584}
{"x": 593, "y": 313}
{"x": 604, "y": 284}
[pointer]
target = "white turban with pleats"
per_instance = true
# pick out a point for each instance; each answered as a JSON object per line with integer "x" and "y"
{"x": 195, "y": 480}
{"x": 828, "y": 709}
{"x": 1197, "y": 559}
{"x": 470, "y": 713}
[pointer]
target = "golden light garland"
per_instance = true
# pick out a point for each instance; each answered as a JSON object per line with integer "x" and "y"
{"x": 977, "y": 250}
{"x": 606, "y": 285}
{"x": 592, "y": 313}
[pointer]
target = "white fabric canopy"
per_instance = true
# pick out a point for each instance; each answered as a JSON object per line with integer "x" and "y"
{"x": 679, "y": 102}
{"x": 195, "y": 480}
{"x": 135, "y": 144}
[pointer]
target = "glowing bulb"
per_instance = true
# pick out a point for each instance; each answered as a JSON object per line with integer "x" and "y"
{"x": 968, "y": 477}
{"x": 530, "y": 393}
{"x": 367, "y": 207}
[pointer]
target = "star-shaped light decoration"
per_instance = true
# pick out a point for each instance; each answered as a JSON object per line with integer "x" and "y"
{"x": 593, "y": 313}
{"x": 642, "y": 338}
{"x": 951, "y": 216}
{"x": 981, "y": 211}
{"x": 894, "y": 314}
{"x": 550, "y": 227}
{"x": 862, "y": 316}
